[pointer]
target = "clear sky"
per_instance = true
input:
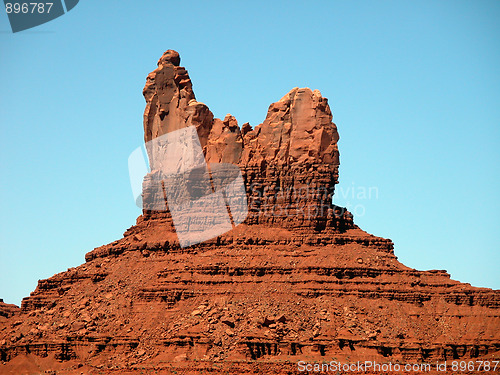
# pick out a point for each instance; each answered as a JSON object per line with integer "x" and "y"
{"x": 414, "y": 88}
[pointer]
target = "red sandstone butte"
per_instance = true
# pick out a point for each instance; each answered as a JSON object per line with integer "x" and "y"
{"x": 297, "y": 281}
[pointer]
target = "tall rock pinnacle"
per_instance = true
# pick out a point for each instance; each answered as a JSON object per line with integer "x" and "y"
{"x": 170, "y": 101}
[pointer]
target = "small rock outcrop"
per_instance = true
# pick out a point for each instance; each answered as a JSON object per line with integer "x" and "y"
{"x": 7, "y": 310}
{"x": 297, "y": 280}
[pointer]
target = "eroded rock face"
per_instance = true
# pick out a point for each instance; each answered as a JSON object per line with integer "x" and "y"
{"x": 296, "y": 281}
{"x": 290, "y": 162}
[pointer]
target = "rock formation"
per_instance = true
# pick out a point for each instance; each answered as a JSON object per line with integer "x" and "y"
{"x": 298, "y": 280}
{"x": 7, "y": 310}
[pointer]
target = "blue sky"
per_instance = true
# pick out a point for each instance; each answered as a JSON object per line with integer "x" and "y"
{"x": 414, "y": 88}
